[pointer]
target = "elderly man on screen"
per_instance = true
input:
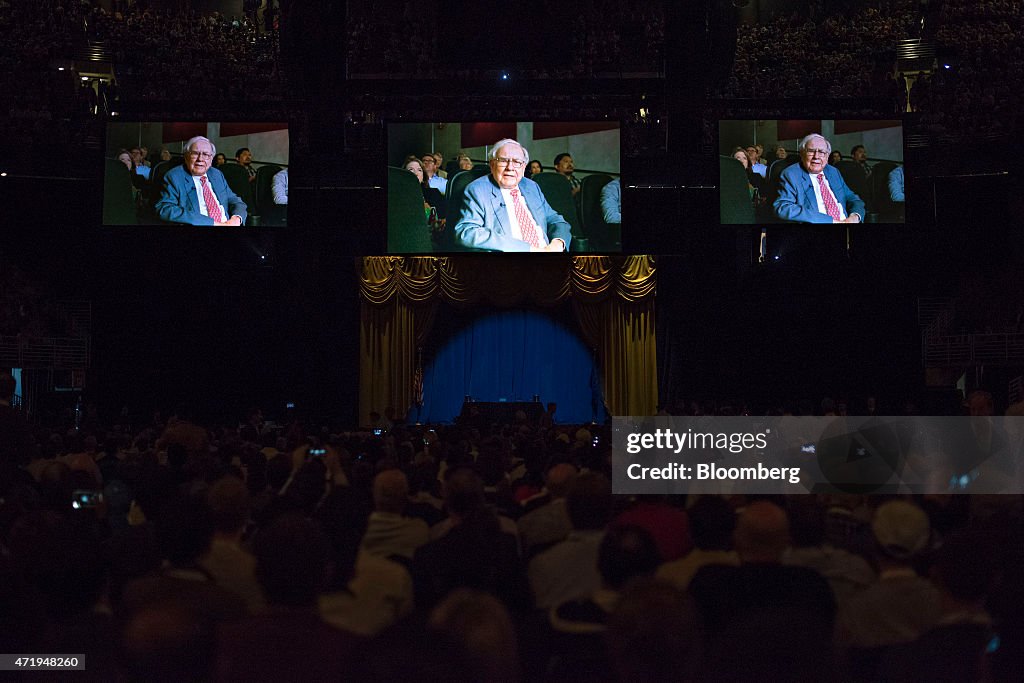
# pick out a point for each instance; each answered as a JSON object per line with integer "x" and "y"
{"x": 196, "y": 194}
{"x": 814, "y": 192}
{"x": 504, "y": 211}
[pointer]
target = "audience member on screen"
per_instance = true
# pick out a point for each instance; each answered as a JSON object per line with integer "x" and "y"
{"x": 780, "y": 152}
{"x": 859, "y": 172}
{"x": 244, "y": 157}
{"x": 814, "y": 192}
{"x": 439, "y": 160}
{"x": 144, "y": 155}
{"x": 896, "y": 184}
{"x": 279, "y": 186}
{"x": 504, "y": 211}
{"x": 196, "y": 194}
{"x": 125, "y": 157}
{"x": 432, "y": 197}
{"x": 165, "y": 154}
{"x": 430, "y": 166}
{"x": 834, "y": 158}
{"x": 565, "y": 166}
{"x": 611, "y": 202}
{"x": 755, "y": 161}
{"x": 755, "y": 182}
{"x": 219, "y": 160}
{"x": 465, "y": 163}
{"x": 137, "y": 163}
{"x": 533, "y": 168}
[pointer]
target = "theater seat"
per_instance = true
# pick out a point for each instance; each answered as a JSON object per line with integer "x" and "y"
{"x": 734, "y": 203}
{"x": 854, "y": 178}
{"x": 238, "y": 181}
{"x": 118, "y": 195}
{"x": 888, "y": 210}
{"x": 156, "y": 187}
{"x": 602, "y": 236}
{"x": 774, "y": 174}
{"x": 270, "y": 213}
{"x": 558, "y": 192}
{"x": 453, "y": 200}
{"x": 408, "y": 232}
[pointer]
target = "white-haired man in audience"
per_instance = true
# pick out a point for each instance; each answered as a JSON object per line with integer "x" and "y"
{"x": 814, "y": 192}
{"x": 197, "y": 194}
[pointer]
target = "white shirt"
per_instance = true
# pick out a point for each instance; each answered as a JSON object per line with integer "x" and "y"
{"x": 821, "y": 201}
{"x": 517, "y": 232}
{"x": 279, "y": 186}
{"x": 202, "y": 200}
{"x": 438, "y": 182}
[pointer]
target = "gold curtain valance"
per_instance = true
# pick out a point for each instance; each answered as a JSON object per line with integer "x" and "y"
{"x": 505, "y": 280}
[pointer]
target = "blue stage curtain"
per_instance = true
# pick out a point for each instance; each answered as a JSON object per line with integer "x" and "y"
{"x": 510, "y": 355}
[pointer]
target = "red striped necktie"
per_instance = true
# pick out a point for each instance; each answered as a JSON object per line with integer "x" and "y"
{"x": 826, "y": 196}
{"x": 212, "y": 207}
{"x": 526, "y": 225}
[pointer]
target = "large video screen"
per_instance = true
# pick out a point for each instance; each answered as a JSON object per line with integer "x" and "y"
{"x": 811, "y": 171}
{"x": 512, "y": 186}
{"x": 216, "y": 174}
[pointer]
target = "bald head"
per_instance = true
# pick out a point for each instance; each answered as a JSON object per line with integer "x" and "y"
{"x": 762, "y": 533}
{"x": 390, "y": 491}
{"x": 559, "y": 479}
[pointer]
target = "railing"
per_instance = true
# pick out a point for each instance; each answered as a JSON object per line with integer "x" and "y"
{"x": 974, "y": 349}
{"x": 1015, "y": 394}
{"x": 44, "y": 352}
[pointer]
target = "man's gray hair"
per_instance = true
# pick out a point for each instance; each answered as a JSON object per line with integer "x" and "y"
{"x": 192, "y": 141}
{"x": 807, "y": 139}
{"x": 493, "y": 153}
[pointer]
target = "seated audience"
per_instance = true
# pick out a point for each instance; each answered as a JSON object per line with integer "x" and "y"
{"x": 712, "y": 522}
{"x": 549, "y": 522}
{"x": 290, "y": 640}
{"x": 390, "y": 533}
{"x": 432, "y": 197}
{"x": 474, "y": 553}
{"x": 568, "y": 569}
{"x": 900, "y": 605}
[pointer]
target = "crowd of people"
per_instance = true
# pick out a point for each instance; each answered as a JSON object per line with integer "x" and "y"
{"x": 497, "y": 552}
{"x": 975, "y": 93}
{"x": 402, "y": 39}
{"x": 843, "y": 56}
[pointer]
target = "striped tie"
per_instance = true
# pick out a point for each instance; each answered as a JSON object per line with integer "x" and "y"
{"x": 526, "y": 225}
{"x": 826, "y": 196}
{"x": 212, "y": 207}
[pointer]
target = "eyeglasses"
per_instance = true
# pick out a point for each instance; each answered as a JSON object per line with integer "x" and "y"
{"x": 514, "y": 163}
{"x": 429, "y": 160}
{"x": 816, "y": 152}
{"x": 201, "y": 155}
